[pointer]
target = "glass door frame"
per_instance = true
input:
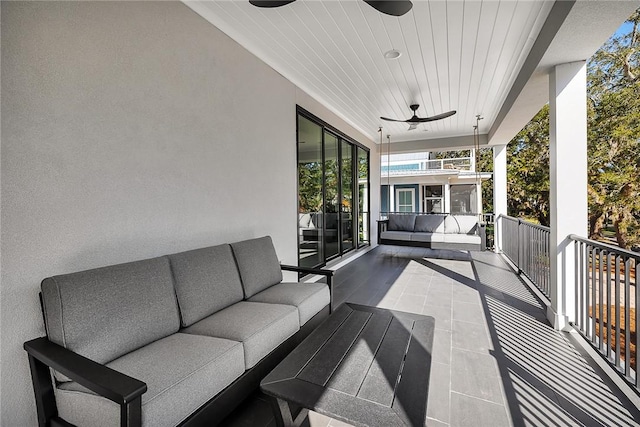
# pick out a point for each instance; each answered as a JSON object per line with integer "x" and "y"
{"x": 327, "y": 128}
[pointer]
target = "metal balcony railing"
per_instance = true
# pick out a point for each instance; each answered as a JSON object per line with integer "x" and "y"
{"x": 607, "y": 298}
{"x": 428, "y": 166}
{"x": 527, "y": 246}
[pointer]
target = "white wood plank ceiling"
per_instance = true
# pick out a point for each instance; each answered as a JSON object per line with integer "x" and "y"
{"x": 456, "y": 55}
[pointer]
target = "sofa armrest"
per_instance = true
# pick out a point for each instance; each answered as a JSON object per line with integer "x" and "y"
{"x": 383, "y": 224}
{"x": 319, "y": 271}
{"x": 109, "y": 383}
{"x": 482, "y": 232}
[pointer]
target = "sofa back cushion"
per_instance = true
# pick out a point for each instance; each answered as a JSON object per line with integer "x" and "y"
{"x": 107, "y": 312}
{"x": 258, "y": 264}
{"x": 432, "y": 223}
{"x": 401, "y": 222}
{"x": 206, "y": 280}
{"x": 460, "y": 224}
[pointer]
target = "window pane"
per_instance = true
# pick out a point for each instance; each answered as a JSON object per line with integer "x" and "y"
{"x": 346, "y": 216}
{"x": 309, "y": 193}
{"x": 363, "y": 196}
{"x": 332, "y": 204}
{"x": 463, "y": 199}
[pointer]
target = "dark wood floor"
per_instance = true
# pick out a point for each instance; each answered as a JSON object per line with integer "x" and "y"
{"x": 496, "y": 360}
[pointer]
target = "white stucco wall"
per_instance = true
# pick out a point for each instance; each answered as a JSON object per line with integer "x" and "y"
{"x": 131, "y": 130}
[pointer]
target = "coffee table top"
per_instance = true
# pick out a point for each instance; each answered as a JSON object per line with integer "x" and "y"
{"x": 363, "y": 365}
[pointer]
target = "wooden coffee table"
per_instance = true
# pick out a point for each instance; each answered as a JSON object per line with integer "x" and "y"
{"x": 366, "y": 366}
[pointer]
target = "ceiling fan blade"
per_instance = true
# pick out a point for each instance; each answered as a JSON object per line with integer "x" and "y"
{"x": 434, "y": 118}
{"x": 391, "y": 7}
{"x": 392, "y": 120}
{"x": 260, "y": 3}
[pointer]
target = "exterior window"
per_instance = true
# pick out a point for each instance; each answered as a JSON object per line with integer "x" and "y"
{"x": 433, "y": 200}
{"x": 464, "y": 199}
{"x": 405, "y": 200}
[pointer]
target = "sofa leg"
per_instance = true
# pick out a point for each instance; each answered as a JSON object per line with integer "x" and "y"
{"x": 43, "y": 388}
{"x": 131, "y": 413}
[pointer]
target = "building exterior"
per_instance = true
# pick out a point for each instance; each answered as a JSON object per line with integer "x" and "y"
{"x": 420, "y": 182}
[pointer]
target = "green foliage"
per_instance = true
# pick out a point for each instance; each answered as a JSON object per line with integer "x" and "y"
{"x": 528, "y": 170}
{"x": 614, "y": 136}
{"x": 613, "y": 90}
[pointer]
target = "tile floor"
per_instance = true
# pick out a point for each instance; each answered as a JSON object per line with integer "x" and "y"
{"x": 496, "y": 361}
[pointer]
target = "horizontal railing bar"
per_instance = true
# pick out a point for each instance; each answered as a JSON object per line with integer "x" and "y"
{"x": 525, "y": 222}
{"x": 609, "y": 248}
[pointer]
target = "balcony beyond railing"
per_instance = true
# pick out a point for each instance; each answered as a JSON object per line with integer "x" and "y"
{"x": 428, "y": 166}
{"x": 607, "y": 297}
{"x": 527, "y": 246}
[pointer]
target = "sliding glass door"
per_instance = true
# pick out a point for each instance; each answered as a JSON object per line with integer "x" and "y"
{"x": 346, "y": 205}
{"x": 329, "y": 166}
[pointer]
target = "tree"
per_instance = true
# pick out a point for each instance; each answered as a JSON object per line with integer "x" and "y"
{"x": 528, "y": 170}
{"x": 614, "y": 135}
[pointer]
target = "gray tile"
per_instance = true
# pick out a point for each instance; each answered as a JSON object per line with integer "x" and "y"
{"x": 318, "y": 420}
{"x": 476, "y": 375}
{"x": 417, "y": 287}
{"x": 464, "y": 293}
{"x": 470, "y": 336}
{"x": 410, "y": 303}
{"x": 442, "y": 315}
{"x": 469, "y": 411}
{"x": 439, "y": 392}
{"x": 435, "y": 423}
{"x": 441, "y": 297}
{"x": 468, "y": 312}
{"x": 441, "y": 346}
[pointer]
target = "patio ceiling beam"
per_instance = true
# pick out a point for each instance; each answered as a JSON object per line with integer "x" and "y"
{"x": 572, "y": 32}
{"x": 464, "y": 142}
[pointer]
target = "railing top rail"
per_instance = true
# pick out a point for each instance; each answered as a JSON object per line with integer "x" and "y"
{"x": 524, "y": 222}
{"x": 606, "y": 246}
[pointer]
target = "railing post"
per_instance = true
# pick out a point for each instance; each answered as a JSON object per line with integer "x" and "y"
{"x": 519, "y": 246}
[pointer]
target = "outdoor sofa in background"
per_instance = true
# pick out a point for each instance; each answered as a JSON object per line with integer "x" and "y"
{"x": 435, "y": 231}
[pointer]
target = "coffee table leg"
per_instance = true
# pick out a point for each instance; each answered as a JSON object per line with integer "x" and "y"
{"x": 282, "y": 413}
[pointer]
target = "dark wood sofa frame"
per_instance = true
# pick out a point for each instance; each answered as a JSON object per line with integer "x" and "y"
{"x": 127, "y": 391}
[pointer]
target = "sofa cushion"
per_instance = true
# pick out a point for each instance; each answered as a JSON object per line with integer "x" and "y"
{"x": 206, "y": 281}
{"x": 432, "y": 223}
{"x": 261, "y": 327}
{"x": 401, "y": 222}
{"x": 182, "y": 372}
{"x": 463, "y": 239}
{"x": 258, "y": 264}
{"x": 107, "y": 312}
{"x": 396, "y": 235}
{"x": 468, "y": 224}
{"x": 309, "y": 298}
{"x": 428, "y": 237}
{"x": 460, "y": 224}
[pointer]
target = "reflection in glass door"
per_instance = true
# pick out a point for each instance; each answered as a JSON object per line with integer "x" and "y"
{"x": 329, "y": 167}
{"x": 346, "y": 205}
{"x": 310, "y": 194}
{"x": 332, "y": 195}
{"x": 363, "y": 197}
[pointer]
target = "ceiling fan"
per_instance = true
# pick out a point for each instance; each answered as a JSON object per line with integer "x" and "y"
{"x": 415, "y": 120}
{"x": 390, "y": 7}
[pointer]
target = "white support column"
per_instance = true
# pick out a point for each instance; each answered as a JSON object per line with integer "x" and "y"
{"x": 392, "y": 198}
{"x": 447, "y": 198}
{"x": 499, "y": 191}
{"x": 568, "y": 183}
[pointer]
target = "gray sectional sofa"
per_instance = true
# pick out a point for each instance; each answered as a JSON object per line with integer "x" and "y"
{"x": 175, "y": 340}
{"x": 436, "y": 231}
